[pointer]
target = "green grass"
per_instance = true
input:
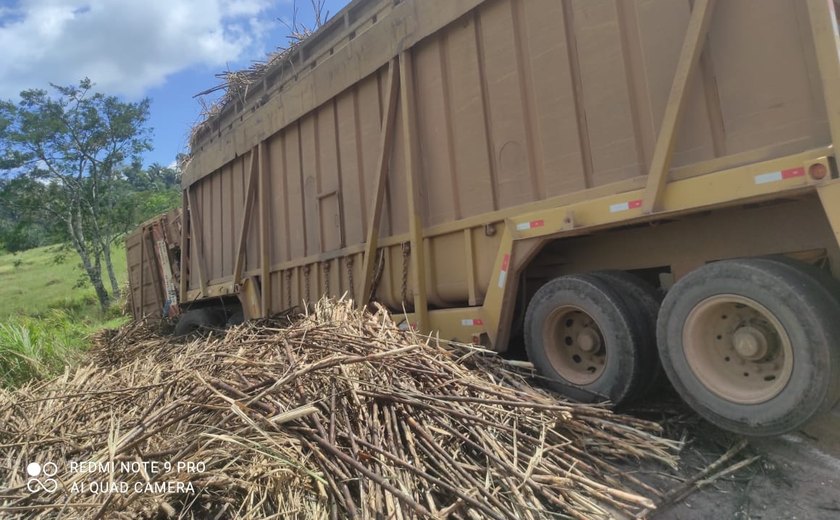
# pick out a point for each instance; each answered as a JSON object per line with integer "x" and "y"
{"x": 46, "y": 318}
{"x": 35, "y": 281}
{"x": 32, "y": 348}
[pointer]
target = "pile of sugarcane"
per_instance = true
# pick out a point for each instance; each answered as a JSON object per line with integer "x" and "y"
{"x": 336, "y": 414}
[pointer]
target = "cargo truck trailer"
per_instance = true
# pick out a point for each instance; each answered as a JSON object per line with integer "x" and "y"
{"x": 541, "y": 172}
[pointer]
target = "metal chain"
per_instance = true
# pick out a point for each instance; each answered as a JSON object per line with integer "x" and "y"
{"x": 326, "y": 278}
{"x": 349, "y": 264}
{"x": 306, "y": 282}
{"x": 289, "y": 291}
{"x": 380, "y": 266}
{"x": 406, "y": 251}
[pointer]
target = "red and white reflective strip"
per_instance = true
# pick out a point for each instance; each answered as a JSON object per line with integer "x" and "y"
{"x": 503, "y": 272}
{"x": 790, "y": 173}
{"x": 525, "y": 226}
{"x": 472, "y": 323}
{"x": 625, "y": 206}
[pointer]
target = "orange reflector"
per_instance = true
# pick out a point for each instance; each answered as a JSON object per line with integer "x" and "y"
{"x": 818, "y": 171}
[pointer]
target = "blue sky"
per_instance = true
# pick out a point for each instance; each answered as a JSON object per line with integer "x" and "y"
{"x": 167, "y": 50}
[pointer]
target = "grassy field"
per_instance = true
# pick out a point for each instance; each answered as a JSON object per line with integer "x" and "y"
{"x": 46, "y": 316}
{"x": 38, "y": 280}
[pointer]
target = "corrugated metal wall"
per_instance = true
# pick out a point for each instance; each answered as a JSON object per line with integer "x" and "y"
{"x": 518, "y": 101}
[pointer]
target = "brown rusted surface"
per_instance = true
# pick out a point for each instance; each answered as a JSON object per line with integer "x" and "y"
{"x": 154, "y": 270}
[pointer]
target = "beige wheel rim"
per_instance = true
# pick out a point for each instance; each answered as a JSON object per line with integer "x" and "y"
{"x": 738, "y": 349}
{"x": 574, "y": 345}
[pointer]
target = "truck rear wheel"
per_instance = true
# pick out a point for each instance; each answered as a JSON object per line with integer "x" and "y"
{"x": 643, "y": 300}
{"x": 748, "y": 344}
{"x": 579, "y": 335}
{"x": 830, "y": 288}
{"x": 196, "y": 319}
{"x": 236, "y": 318}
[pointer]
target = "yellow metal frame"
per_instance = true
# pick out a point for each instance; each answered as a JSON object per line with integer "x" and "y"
{"x": 830, "y": 198}
{"x": 724, "y": 188}
{"x": 246, "y": 217}
{"x": 265, "y": 237}
{"x": 386, "y": 140}
{"x": 698, "y": 27}
{"x": 824, "y": 27}
{"x": 195, "y": 235}
{"x": 415, "y": 219}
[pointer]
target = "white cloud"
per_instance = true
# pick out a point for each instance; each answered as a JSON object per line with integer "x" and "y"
{"x": 124, "y": 46}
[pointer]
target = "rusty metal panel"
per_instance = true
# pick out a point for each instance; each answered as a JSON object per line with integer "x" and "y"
{"x": 278, "y": 206}
{"x": 134, "y": 257}
{"x": 152, "y": 253}
{"x": 295, "y": 193}
{"x": 759, "y": 109}
{"x": 352, "y": 166}
{"x": 518, "y": 103}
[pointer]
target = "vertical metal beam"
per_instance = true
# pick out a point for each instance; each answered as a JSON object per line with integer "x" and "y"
{"x": 196, "y": 238}
{"x": 826, "y": 41}
{"x": 470, "y": 259}
{"x": 142, "y": 272}
{"x": 415, "y": 217}
{"x": 185, "y": 252}
{"x": 695, "y": 38}
{"x": 386, "y": 140}
{"x": 498, "y": 290}
{"x": 830, "y": 198}
{"x": 265, "y": 236}
{"x": 239, "y": 264}
{"x": 151, "y": 259}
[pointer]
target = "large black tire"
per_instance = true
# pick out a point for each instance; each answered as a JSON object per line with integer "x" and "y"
{"x": 827, "y": 283}
{"x": 236, "y": 318}
{"x": 830, "y": 287}
{"x": 751, "y": 344}
{"x": 197, "y": 319}
{"x": 643, "y": 301}
{"x": 579, "y": 335}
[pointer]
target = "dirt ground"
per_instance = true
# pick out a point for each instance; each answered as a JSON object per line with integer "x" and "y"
{"x": 795, "y": 477}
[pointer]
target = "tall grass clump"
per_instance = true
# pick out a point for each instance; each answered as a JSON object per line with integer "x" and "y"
{"x": 38, "y": 347}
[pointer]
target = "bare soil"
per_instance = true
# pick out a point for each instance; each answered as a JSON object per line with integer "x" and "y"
{"x": 796, "y": 477}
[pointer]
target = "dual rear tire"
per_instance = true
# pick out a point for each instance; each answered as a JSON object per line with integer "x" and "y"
{"x": 592, "y": 336}
{"x": 195, "y": 320}
{"x": 752, "y": 345}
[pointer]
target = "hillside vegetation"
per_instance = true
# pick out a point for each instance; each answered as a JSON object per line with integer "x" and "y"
{"x": 47, "y": 312}
{"x": 38, "y": 280}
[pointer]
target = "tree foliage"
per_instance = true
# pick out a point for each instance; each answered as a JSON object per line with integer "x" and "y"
{"x": 72, "y": 166}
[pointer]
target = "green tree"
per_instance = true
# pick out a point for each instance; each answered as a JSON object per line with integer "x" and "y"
{"x": 21, "y": 225}
{"x": 76, "y": 145}
{"x": 145, "y": 193}
{"x": 154, "y": 178}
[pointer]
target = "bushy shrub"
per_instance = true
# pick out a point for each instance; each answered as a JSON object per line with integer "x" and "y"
{"x": 32, "y": 348}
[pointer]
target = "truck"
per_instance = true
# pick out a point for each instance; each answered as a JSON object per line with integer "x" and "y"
{"x": 630, "y": 190}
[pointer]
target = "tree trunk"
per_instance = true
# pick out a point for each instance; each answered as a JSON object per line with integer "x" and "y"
{"x": 103, "y": 239}
{"x": 115, "y": 286}
{"x": 94, "y": 275}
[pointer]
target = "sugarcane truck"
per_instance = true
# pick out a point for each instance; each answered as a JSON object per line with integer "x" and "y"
{"x": 633, "y": 190}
